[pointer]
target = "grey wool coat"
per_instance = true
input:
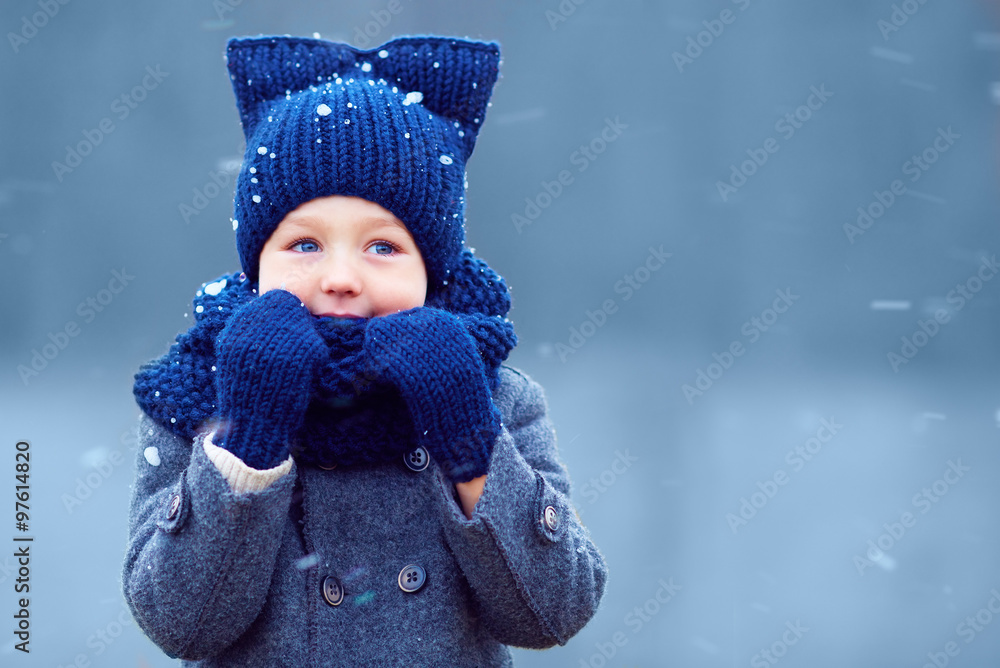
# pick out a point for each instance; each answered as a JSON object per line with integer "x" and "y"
{"x": 387, "y": 570}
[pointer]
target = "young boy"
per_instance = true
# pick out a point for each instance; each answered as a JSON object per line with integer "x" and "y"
{"x": 336, "y": 468}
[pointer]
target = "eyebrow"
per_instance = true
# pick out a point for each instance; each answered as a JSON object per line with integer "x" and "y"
{"x": 391, "y": 222}
{"x": 304, "y": 220}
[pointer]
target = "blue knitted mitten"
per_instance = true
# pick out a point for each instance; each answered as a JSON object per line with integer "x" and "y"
{"x": 434, "y": 361}
{"x": 267, "y": 357}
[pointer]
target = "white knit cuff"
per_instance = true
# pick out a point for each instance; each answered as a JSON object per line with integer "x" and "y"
{"x": 242, "y": 478}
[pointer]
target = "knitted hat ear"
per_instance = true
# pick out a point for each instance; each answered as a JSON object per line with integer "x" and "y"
{"x": 449, "y": 77}
{"x": 472, "y": 287}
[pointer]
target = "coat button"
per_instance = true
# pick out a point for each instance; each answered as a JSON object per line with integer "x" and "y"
{"x": 551, "y": 518}
{"x": 411, "y": 578}
{"x": 175, "y": 506}
{"x": 417, "y": 460}
{"x": 333, "y": 593}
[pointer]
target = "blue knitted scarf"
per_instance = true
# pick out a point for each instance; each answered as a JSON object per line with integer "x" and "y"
{"x": 352, "y": 418}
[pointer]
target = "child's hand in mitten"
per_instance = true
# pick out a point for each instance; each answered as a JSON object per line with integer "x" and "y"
{"x": 429, "y": 355}
{"x": 266, "y": 356}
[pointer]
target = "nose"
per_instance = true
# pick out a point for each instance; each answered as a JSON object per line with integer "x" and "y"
{"x": 339, "y": 275}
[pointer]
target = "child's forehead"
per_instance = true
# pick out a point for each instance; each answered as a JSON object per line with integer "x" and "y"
{"x": 341, "y": 210}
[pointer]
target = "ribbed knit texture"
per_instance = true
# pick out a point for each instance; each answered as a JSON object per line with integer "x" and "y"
{"x": 432, "y": 359}
{"x": 266, "y": 357}
{"x": 355, "y": 415}
{"x": 394, "y": 125}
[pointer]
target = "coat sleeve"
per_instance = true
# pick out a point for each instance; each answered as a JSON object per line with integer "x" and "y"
{"x": 535, "y": 573}
{"x": 200, "y": 556}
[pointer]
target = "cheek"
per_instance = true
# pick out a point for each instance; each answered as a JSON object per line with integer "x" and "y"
{"x": 413, "y": 288}
{"x": 398, "y": 293}
{"x": 276, "y": 273}
{"x": 268, "y": 275}
{"x": 420, "y": 291}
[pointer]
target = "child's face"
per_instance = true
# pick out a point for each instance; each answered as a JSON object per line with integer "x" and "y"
{"x": 345, "y": 256}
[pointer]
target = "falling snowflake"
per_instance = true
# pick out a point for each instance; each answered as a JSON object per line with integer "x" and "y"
{"x": 215, "y": 288}
{"x": 413, "y": 97}
{"x": 152, "y": 454}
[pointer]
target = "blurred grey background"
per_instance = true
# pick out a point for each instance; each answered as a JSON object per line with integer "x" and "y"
{"x": 790, "y": 423}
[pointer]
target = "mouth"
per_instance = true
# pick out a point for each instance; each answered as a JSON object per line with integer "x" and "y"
{"x": 340, "y": 315}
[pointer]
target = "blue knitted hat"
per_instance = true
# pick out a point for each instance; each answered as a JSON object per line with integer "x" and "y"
{"x": 394, "y": 125}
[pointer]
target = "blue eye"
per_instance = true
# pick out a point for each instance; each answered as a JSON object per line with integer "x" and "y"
{"x": 389, "y": 248}
{"x": 305, "y": 246}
